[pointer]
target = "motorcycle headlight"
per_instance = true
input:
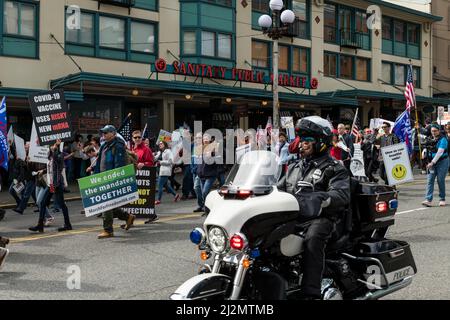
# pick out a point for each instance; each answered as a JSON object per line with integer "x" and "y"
{"x": 217, "y": 240}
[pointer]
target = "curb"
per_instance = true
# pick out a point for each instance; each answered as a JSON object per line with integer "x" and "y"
{"x": 12, "y": 206}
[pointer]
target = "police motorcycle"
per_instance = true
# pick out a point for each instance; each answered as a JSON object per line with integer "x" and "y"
{"x": 253, "y": 236}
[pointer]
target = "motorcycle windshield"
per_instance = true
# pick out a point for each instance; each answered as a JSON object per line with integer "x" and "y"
{"x": 256, "y": 169}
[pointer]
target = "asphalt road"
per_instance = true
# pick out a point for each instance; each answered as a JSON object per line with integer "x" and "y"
{"x": 151, "y": 261}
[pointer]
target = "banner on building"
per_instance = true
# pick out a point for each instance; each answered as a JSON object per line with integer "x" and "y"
{"x": 397, "y": 164}
{"x": 145, "y": 205}
{"x": 50, "y": 114}
{"x": 37, "y": 153}
{"x": 357, "y": 163}
{"x": 108, "y": 190}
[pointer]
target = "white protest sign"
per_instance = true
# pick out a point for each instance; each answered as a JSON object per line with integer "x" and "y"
{"x": 444, "y": 119}
{"x": 10, "y": 135}
{"x": 342, "y": 145}
{"x": 357, "y": 164}
{"x": 397, "y": 164}
{"x": 287, "y": 122}
{"x": 240, "y": 151}
{"x": 440, "y": 111}
{"x": 376, "y": 123}
{"x": 37, "y": 153}
{"x": 20, "y": 147}
{"x": 291, "y": 134}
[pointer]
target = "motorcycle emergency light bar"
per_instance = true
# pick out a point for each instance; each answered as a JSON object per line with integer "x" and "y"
{"x": 236, "y": 194}
{"x": 381, "y": 206}
{"x": 238, "y": 242}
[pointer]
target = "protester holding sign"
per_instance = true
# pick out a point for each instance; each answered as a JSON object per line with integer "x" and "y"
{"x": 112, "y": 155}
{"x": 387, "y": 139}
{"x": 164, "y": 160}
{"x": 56, "y": 188}
{"x": 346, "y": 142}
{"x": 438, "y": 166}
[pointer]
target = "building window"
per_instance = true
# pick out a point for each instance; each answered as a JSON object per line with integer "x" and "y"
{"x": 112, "y": 33}
{"x": 189, "y": 42}
{"x": 330, "y": 23}
{"x": 399, "y": 75}
{"x": 299, "y": 60}
{"x": 260, "y": 54}
{"x": 416, "y": 77}
{"x": 19, "y": 29}
{"x": 260, "y": 5}
{"x": 330, "y": 64}
{"x": 208, "y": 47}
{"x": 301, "y": 13}
{"x": 146, "y": 4}
{"x": 19, "y": 19}
{"x": 224, "y": 44}
{"x": 227, "y": 3}
{"x": 413, "y": 34}
{"x": 362, "y": 69}
{"x": 345, "y": 67}
{"x": 142, "y": 37}
{"x": 361, "y": 22}
{"x": 387, "y": 29}
{"x": 386, "y": 72}
{"x": 399, "y": 29}
{"x": 283, "y": 62}
{"x": 85, "y": 35}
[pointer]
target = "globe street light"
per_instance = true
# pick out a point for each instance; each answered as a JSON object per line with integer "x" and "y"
{"x": 271, "y": 26}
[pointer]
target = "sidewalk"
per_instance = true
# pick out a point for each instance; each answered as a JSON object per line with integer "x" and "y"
{"x": 7, "y": 202}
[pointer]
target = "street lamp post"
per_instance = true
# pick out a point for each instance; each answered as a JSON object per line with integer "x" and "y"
{"x": 271, "y": 27}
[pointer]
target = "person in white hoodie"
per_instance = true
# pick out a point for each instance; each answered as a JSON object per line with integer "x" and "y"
{"x": 164, "y": 159}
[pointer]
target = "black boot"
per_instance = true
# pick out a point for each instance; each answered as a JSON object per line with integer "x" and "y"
{"x": 65, "y": 228}
{"x": 39, "y": 227}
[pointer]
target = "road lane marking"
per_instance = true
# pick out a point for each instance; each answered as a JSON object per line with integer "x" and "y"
{"x": 92, "y": 229}
{"x": 408, "y": 211}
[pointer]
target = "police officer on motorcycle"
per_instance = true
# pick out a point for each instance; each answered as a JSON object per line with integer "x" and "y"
{"x": 324, "y": 203}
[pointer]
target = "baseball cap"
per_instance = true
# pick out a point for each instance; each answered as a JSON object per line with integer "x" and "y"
{"x": 108, "y": 128}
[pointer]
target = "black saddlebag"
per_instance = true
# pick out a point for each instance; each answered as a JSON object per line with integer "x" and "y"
{"x": 394, "y": 256}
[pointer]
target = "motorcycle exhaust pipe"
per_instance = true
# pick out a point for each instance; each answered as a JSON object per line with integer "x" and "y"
{"x": 384, "y": 292}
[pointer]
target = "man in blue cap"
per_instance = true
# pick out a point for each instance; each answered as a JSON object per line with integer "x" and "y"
{"x": 112, "y": 155}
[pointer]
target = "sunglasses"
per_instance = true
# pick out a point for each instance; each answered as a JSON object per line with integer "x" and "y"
{"x": 137, "y": 137}
{"x": 307, "y": 139}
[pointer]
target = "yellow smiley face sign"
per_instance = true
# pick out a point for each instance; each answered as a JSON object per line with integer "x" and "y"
{"x": 399, "y": 172}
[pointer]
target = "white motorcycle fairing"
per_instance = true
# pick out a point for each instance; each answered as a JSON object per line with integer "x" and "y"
{"x": 231, "y": 214}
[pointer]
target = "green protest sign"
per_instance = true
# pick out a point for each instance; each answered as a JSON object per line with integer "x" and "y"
{"x": 108, "y": 190}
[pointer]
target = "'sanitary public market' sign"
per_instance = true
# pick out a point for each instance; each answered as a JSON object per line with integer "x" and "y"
{"x": 234, "y": 74}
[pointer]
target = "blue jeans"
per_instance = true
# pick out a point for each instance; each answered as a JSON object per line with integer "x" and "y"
{"x": 27, "y": 192}
{"x": 58, "y": 198}
{"x": 40, "y": 197}
{"x": 198, "y": 190}
{"x": 188, "y": 181}
{"x": 162, "y": 180}
{"x": 440, "y": 170}
{"x": 207, "y": 185}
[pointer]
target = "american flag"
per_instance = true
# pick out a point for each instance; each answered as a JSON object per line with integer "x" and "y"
{"x": 409, "y": 90}
{"x": 356, "y": 125}
{"x": 125, "y": 130}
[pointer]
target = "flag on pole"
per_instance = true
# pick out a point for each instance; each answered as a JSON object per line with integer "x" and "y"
{"x": 355, "y": 125}
{"x": 402, "y": 129}
{"x": 125, "y": 130}
{"x": 409, "y": 89}
{"x": 145, "y": 133}
{"x": 4, "y": 147}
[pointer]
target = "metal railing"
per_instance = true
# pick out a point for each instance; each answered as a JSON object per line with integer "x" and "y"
{"x": 351, "y": 38}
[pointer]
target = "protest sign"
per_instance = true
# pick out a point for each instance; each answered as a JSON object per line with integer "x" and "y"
{"x": 376, "y": 123}
{"x": 357, "y": 163}
{"x": 397, "y": 164}
{"x": 20, "y": 147}
{"x": 50, "y": 114}
{"x": 287, "y": 122}
{"x": 37, "y": 153}
{"x": 10, "y": 135}
{"x": 146, "y": 182}
{"x": 108, "y": 190}
{"x": 291, "y": 134}
{"x": 444, "y": 119}
{"x": 164, "y": 136}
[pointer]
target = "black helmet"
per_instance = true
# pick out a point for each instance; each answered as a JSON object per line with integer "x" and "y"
{"x": 318, "y": 128}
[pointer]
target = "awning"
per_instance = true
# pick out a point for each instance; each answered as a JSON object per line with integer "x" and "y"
{"x": 382, "y": 95}
{"x": 23, "y": 93}
{"x": 83, "y": 79}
